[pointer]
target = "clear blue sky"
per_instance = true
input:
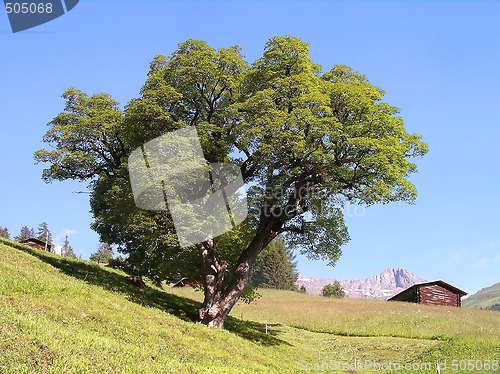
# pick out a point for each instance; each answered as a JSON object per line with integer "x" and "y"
{"x": 438, "y": 61}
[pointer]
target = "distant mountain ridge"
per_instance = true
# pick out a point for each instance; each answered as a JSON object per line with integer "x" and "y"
{"x": 486, "y": 298}
{"x": 381, "y": 286}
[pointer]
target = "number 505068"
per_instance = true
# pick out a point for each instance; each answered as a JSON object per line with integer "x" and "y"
{"x": 25, "y": 8}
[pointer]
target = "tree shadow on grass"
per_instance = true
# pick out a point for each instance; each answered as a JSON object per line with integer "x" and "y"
{"x": 181, "y": 307}
{"x": 255, "y": 331}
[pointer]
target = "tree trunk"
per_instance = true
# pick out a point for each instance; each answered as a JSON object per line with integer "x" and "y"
{"x": 219, "y": 300}
{"x": 213, "y": 278}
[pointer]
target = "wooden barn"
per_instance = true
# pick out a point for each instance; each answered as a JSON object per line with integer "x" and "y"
{"x": 436, "y": 292}
{"x": 181, "y": 283}
{"x": 37, "y": 243}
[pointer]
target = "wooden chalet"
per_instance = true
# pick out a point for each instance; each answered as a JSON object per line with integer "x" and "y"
{"x": 436, "y": 292}
{"x": 37, "y": 243}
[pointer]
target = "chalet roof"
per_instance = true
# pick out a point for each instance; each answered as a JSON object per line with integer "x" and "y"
{"x": 36, "y": 241}
{"x": 180, "y": 283}
{"x": 438, "y": 282}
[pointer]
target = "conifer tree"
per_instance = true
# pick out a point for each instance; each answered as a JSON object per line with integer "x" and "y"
{"x": 276, "y": 268}
{"x": 44, "y": 234}
{"x": 25, "y": 233}
{"x": 67, "y": 249}
{"x": 4, "y": 232}
{"x": 103, "y": 254}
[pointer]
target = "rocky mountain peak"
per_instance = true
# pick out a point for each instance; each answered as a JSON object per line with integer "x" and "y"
{"x": 381, "y": 286}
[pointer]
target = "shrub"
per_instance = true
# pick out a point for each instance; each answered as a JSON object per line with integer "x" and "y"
{"x": 333, "y": 290}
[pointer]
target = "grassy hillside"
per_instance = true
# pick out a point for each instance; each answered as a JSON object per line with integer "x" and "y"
{"x": 60, "y": 315}
{"x": 69, "y": 316}
{"x": 487, "y": 298}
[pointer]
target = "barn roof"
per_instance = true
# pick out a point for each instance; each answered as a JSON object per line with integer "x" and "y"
{"x": 36, "y": 241}
{"x": 438, "y": 282}
{"x": 180, "y": 283}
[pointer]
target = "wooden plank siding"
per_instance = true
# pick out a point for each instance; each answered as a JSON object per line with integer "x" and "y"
{"x": 437, "y": 295}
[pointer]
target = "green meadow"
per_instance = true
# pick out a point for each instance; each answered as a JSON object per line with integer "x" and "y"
{"x": 59, "y": 315}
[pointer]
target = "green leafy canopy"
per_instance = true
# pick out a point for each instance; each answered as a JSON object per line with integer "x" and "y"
{"x": 306, "y": 141}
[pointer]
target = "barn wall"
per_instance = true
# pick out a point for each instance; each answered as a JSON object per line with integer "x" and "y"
{"x": 410, "y": 296}
{"x": 35, "y": 245}
{"x": 437, "y": 295}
